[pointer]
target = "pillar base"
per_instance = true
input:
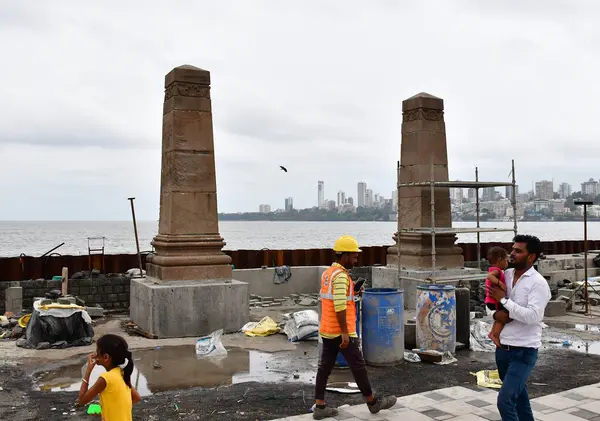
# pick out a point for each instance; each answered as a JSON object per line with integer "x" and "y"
{"x": 176, "y": 309}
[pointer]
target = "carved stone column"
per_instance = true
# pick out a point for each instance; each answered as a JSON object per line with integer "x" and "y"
{"x": 424, "y": 143}
{"x": 188, "y": 245}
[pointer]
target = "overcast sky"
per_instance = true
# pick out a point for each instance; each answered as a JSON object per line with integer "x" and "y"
{"x": 316, "y": 86}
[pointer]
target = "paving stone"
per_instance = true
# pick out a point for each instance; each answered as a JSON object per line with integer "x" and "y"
{"x": 478, "y": 403}
{"x": 582, "y": 413}
{"x": 538, "y": 406}
{"x": 492, "y": 416}
{"x": 434, "y": 413}
{"x": 574, "y": 396}
{"x": 436, "y": 396}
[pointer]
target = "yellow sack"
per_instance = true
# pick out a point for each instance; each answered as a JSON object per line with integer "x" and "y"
{"x": 488, "y": 378}
{"x": 265, "y": 327}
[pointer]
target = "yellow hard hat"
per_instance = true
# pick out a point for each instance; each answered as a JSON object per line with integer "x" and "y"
{"x": 346, "y": 244}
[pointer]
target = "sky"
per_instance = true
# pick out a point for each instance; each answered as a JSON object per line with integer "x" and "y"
{"x": 316, "y": 86}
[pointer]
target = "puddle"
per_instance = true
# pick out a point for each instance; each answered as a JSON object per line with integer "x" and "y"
{"x": 180, "y": 369}
{"x": 585, "y": 347}
{"x": 588, "y": 328}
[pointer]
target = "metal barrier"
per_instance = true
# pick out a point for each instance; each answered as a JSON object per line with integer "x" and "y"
{"x": 26, "y": 267}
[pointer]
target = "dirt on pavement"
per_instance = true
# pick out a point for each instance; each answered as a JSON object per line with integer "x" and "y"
{"x": 556, "y": 370}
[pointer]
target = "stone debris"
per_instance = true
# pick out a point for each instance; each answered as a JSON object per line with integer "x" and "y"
{"x": 555, "y": 308}
{"x": 95, "y": 312}
{"x": 308, "y": 302}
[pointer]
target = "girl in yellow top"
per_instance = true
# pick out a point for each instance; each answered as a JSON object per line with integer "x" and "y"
{"x": 117, "y": 396}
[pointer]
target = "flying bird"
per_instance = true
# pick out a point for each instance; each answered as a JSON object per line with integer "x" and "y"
{"x": 283, "y": 168}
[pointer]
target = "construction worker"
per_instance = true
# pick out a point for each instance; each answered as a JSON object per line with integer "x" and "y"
{"x": 338, "y": 330}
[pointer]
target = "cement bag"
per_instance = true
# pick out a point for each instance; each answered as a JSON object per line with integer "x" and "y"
{"x": 210, "y": 346}
{"x": 265, "y": 327}
{"x": 306, "y": 318}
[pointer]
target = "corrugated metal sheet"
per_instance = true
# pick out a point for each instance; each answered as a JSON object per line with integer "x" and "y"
{"x": 21, "y": 268}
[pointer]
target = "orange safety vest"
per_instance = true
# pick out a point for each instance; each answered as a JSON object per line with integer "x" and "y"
{"x": 329, "y": 323}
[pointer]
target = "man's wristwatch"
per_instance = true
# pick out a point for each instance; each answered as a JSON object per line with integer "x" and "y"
{"x": 503, "y": 300}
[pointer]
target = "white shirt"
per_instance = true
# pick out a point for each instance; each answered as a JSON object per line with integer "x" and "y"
{"x": 525, "y": 303}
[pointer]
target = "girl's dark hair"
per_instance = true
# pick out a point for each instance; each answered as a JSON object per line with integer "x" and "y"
{"x": 496, "y": 253}
{"x": 117, "y": 348}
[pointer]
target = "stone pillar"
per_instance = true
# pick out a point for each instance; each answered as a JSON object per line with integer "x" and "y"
{"x": 189, "y": 290}
{"x": 188, "y": 245}
{"x": 424, "y": 143}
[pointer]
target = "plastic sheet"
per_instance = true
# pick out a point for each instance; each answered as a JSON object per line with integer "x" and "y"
{"x": 57, "y": 327}
{"x": 488, "y": 378}
{"x": 211, "y": 345}
{"x": 265, "y": 327}
{"x": 479, "y": 340}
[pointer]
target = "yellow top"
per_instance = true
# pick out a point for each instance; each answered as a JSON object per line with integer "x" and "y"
{"x": 340, "y": 286}
{"x": 115, "y": 399}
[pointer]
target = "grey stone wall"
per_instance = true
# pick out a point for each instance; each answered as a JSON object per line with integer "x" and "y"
{"x": 110, "y": 291}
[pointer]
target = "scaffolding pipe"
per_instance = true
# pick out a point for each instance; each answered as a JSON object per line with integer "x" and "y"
{"x": 477, "y": 216}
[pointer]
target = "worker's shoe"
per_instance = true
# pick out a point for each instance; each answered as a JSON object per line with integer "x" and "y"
{"x": 385, "y": 402}
{"x": 322, "y": 413}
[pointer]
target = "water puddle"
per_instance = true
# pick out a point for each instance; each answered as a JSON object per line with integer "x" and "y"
{"x": 587, "y": 328}
{"x": 171, "y": 368}
{"x": 584, "y": 347}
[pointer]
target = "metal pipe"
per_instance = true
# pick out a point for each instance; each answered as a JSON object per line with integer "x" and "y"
{"x": 432, "y": 203}
{"x": 477, "y": 216}
{"x": 514, "y": 197}
{"x": 137, "y": 242}
{"x": 585, "y": 263}
{"x": 51, "y": 250}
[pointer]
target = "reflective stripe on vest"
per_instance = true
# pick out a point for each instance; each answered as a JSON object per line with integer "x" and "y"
{"x": 329, "y": 294}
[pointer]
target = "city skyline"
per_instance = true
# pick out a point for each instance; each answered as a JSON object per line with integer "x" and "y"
{"x": 64, "y": 143}
{"x": 542, "y": 190}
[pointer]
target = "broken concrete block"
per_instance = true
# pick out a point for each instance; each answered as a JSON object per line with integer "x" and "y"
{"x": 308, "y": 302}
{"x": 569, "y": 302}
{"x": 254, "y": 297}
{"x": 13, "y": 301}
{"x": 95, "y": 311}
{"x": 264, "y": 299}
{"x": 555, "y": 308}
{"x": 69, "y": 299}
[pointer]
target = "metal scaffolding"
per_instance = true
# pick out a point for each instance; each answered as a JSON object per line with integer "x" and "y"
{"x": 433, "y": 230}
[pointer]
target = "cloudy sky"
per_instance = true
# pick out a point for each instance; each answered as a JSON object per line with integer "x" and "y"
{"x": 316, "y": 86}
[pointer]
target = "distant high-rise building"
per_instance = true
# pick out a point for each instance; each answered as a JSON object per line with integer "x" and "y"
{"x": 264, "y": 208}
{"x": 289, "y": 204}
{"x": 395, "y": 199}
{"x": 590, "y": 188}
{"x": 341, "y": 199}
{"x": 361, "y": 199}
{"x": 369, "y": 198}
{"x": 321, "y": 194}
{"x": 488, "y": 194}
{"x": 331, "y": 205}
{"x": 544, "y": 190}
{"x": 508, "y": 192}
{"x": 472, "y": 195}
{"x": 564, "y": 190}
{"x": 456, "y": 195}
{"x": 350, "y": 201}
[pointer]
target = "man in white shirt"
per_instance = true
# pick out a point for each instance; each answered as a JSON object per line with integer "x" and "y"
{"x": 528, "y": 294}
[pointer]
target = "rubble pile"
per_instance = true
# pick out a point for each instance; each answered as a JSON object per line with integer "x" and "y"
{"x": 10, "y": 328}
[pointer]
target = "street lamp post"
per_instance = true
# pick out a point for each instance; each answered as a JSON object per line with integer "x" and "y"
{"x": 585, "y": 204}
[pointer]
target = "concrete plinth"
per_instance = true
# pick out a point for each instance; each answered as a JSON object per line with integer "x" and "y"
{"x": 387, "y": 277}
{"x": 171, "y": 309}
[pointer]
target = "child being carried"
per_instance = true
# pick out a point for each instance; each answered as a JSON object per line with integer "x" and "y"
{"x": 498, "y": 258}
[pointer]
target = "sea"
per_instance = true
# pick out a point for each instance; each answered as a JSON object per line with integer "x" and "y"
{"x": 37, "y": 238}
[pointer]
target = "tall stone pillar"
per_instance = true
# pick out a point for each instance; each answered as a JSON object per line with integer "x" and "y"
{"x": 424, "y": 143}
{"x": 189, "y": 290}
{"x": 188, "y": 244}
